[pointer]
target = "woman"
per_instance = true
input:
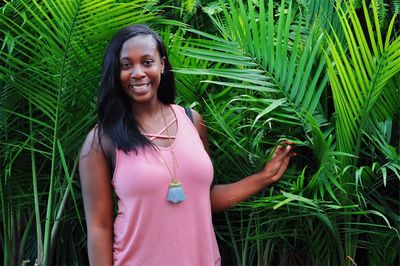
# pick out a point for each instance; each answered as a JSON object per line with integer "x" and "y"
{"x": 148, "y": 152}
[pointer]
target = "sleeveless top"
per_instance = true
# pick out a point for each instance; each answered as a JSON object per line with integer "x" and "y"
{"x": 149, "y": 230}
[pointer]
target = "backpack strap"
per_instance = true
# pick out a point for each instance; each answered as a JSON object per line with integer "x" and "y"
{"x": 189, "y": 113}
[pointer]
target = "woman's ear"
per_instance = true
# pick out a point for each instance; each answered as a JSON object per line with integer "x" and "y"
{"x": 163, "y": 59}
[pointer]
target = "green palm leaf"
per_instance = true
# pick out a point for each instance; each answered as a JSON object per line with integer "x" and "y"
{"x": 359, "y": 80}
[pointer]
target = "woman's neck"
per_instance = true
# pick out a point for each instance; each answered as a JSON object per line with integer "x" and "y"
{"x": 148, "y": 116}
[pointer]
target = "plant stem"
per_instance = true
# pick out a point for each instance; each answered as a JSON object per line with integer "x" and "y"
{"x": 234, "y": 245}
{"x": 36, "y": 195}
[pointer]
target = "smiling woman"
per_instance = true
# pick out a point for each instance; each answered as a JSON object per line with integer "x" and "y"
{"x": 147, "y": 150}
{"x": 141, "y": 68}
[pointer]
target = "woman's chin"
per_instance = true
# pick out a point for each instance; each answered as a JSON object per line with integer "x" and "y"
{"x": 143, "y": 97}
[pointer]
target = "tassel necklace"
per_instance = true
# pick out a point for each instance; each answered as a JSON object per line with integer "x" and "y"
{"x": 175, "y": 190}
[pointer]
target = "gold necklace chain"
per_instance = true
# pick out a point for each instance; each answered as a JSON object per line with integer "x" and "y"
{"x": 173, "y": 177}
{"x": 175, "y": 193}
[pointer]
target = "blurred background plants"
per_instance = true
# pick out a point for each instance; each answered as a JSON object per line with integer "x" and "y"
{"x": 323, "y": 74}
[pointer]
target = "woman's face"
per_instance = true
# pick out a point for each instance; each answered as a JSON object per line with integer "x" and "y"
{"x": 140, "y": 68}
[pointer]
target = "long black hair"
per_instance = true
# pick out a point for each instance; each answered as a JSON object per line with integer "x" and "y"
{"x": 114, "y": 110}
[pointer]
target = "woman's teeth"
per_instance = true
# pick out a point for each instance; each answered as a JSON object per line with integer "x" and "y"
{"x": 140, "y": 87}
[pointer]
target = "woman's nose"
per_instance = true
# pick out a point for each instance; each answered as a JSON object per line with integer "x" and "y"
{"x": 137, "y": 72}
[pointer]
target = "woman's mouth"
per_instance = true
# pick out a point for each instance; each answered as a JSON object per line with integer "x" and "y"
{"x": 139, "y": 87}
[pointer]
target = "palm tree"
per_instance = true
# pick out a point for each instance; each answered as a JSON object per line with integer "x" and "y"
{"x": 276, "y": 72}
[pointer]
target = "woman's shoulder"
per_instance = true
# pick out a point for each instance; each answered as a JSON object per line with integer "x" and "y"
{"x": 97, "y": 141}
{"x": 188, "y": 111}
{"x": 195, "y": 117}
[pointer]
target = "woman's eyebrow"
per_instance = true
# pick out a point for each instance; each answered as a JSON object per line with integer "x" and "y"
{"x": 147, "y": 55}
{"x": 143, "y": 56}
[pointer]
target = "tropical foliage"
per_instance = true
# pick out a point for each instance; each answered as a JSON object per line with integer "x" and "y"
{"x": 324, "y": 75}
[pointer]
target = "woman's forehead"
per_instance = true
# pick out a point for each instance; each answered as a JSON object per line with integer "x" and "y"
{"x": 140, "y": 43}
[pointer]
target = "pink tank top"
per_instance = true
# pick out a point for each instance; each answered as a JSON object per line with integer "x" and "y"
{"x": 149, "y": 230}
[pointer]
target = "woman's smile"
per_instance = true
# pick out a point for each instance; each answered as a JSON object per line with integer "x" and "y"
{"x": 140, "y": 87}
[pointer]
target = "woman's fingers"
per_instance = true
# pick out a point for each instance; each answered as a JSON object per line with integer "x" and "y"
{"x": 282, "y": 151}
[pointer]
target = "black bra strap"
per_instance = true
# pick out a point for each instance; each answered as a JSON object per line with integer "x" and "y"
{"x": 189, "y": 113}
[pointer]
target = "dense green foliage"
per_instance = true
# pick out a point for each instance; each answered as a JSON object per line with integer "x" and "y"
{"x": 323, "y": 76}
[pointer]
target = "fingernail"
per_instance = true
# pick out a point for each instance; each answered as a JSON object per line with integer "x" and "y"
{"x": 288, "y": 147}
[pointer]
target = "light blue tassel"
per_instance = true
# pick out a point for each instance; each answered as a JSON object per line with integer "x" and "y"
{"x": 175, "y": 192}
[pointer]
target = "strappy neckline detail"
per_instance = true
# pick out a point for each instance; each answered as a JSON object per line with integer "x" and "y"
{"x": 153, "y": 136}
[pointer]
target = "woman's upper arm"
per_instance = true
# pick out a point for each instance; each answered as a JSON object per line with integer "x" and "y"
{"x": 202, "y": 129}
{"x": 95, "y": 173}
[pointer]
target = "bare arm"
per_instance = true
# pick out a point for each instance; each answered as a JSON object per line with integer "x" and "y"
{"x": 97, "y": 198}
{"x": 227, "y": 195}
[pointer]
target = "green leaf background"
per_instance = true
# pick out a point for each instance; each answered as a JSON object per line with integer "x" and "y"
{"x": 323, "y": 74}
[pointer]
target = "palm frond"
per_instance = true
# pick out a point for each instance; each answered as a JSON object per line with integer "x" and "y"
{"x": 261, "y": 63}
{"x": 358, "y": 80}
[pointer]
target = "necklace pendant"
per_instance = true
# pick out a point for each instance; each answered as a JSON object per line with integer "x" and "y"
{"x": 175, "y": 192}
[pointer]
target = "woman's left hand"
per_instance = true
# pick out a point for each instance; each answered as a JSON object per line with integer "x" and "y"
{"x": 275, "y": 167}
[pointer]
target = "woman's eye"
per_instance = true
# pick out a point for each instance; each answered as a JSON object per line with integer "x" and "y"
{"x": 125, "y": 65}
{"x": 148, "y": 62}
